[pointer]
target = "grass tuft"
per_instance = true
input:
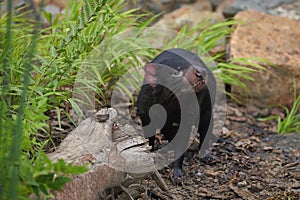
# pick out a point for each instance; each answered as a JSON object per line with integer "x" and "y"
{"x": 291, "y": 122}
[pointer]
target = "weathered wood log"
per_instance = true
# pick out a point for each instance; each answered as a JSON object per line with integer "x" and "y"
{"x": 114, "y": 156}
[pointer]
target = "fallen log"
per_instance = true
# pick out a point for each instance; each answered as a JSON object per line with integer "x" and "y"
{"x": 115, "y": 157}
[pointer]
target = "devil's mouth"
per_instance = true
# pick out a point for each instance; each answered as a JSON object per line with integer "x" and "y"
{"x": 201, "y": 82}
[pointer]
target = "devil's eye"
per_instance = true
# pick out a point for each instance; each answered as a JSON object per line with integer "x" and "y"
{"x": 175, "y": 73}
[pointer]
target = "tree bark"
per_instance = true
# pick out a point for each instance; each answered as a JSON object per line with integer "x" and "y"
{"x": 114, "y": 156}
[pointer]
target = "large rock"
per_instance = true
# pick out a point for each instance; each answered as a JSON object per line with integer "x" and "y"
{"x": 189, "y": 16}
{"x": 276, "y": 39}
{"x": 284, "y": 8}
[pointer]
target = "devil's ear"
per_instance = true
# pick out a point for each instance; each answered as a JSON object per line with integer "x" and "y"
{"x": 150, "y": 74}
{"x": 150, "y": 68}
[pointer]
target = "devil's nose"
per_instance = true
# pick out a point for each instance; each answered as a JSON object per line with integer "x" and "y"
{"x": 200, "y": 73}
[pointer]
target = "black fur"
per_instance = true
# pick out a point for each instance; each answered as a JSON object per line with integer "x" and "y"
{"x": 152, "y": 93}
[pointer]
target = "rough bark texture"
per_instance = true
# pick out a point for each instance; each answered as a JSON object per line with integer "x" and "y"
{"x": 114, "y": 156}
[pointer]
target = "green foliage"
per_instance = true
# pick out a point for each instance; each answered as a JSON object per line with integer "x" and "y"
{"x": 291, "y": 122}
{"x": 43, "y": 175}
{"x": 215, "y": 35}
{"x": 239, "y": 72}
{"x": 69, "y": 46}
{"x": 37, "y": 71}
{"x": 13, "y": 95}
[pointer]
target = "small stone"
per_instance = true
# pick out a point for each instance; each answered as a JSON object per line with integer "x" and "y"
{"x": 267, "y": 148}
{"x": 242, "y": 184}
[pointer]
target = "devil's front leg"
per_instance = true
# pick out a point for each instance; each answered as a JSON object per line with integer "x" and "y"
{"x": 205, "y": 130}
{"x": 179, "y": 143}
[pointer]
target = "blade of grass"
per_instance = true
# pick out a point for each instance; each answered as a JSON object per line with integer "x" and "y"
{"x": 17, "y": 130}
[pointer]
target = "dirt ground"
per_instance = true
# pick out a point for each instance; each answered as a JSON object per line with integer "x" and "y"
{"x": 252, "y": 162}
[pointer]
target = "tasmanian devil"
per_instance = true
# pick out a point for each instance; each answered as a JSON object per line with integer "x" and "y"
{"x": 172, "y": 75}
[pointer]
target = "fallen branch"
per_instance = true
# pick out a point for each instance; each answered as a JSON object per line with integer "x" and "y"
{"x": 115, "y": 156}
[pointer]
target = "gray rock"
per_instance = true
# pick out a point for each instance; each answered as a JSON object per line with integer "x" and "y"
{"x": 240, "y": 5}
{"x": 284, "y": 8}
{"x": 15, "y": 5}
{"x": 52, "y": 9}
{"x": 291, "y": 11}
{"x": 259, "y": 4}
{"x": 284, "y": 142}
